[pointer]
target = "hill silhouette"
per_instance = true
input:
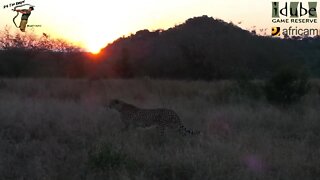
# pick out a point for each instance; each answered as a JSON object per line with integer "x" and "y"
{"x": 200, "y": 48}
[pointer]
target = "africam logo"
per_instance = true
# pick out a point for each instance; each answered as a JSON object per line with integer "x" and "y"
{"x": 276, "y": 31}
{"x": 295, "y": 31}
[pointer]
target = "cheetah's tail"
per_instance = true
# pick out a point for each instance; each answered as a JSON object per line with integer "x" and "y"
{"x": 185, "y": 131}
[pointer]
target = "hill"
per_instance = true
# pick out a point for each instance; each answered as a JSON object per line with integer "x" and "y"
{"x": 201, "y": 48}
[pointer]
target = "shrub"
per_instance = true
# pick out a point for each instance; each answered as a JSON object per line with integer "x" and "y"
{"x": 106, "y": 157}
{"x": 287, "y": 86}
{"x": 248, "y": 89}
{"x": 242, "y": 89}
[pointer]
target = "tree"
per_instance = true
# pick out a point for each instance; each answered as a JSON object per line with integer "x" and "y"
{"x": 287, "y": 86}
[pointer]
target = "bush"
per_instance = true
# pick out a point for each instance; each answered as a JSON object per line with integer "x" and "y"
{"x": 287, "y": 86}
{"x": 242, "y": 89}
{"x": 247, "y": 88}
{"x": 106, "y": 157}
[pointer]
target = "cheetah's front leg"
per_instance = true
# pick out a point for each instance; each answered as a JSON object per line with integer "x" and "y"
{"x": 160, "y": 129}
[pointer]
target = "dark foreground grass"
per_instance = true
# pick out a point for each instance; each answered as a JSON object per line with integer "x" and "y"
{"x": 58, "y": 129}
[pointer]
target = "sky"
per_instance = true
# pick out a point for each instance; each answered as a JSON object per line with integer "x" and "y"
{"x": 95, "y": 23}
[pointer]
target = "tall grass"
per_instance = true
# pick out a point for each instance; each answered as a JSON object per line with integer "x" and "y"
{"x": 58, "y": 129}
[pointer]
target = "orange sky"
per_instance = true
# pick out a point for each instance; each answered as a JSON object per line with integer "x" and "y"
{"x": 95, "y": 23}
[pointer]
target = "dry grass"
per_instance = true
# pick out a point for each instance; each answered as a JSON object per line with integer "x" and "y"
{"x": 58, "y": 129}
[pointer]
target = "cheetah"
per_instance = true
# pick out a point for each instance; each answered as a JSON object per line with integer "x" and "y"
{"x": 133, "y": 116}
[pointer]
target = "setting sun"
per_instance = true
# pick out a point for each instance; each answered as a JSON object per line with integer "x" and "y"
{"x": 93, "y": 44}
{"x": 94, "y": 49}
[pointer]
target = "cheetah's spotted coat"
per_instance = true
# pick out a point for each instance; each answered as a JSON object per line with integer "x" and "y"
{"x": 133, "y": 116}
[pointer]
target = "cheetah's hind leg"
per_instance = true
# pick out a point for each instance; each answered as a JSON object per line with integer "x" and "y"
{"x": 125, "y": 128}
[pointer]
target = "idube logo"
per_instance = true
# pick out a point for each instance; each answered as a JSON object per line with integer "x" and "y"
{"x": 294, "y": 12}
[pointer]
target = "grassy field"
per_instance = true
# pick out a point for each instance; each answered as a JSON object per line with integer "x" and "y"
{"x": 59, "y": 129}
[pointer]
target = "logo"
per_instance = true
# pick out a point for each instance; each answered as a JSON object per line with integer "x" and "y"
{"x": 294, "y": 31}
{"x": 275, "y": 31}
{"x": 295, "y": 10}
{"x": 34, "y": 26}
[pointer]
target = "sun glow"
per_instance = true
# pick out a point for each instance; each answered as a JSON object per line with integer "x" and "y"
{"x": 94, "y": 46}
{"x": 94, "y": 49}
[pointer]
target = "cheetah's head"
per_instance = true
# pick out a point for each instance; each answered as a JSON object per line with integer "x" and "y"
{"x": 115, "y": 104}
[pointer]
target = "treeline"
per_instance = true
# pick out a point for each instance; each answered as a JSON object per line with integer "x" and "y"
{"x": 29, "y": 55}
{"x": 24, "y": 63}
{"x": 201, "y": 48}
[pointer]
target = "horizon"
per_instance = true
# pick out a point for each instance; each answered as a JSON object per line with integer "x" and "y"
{"x": 94, "y": 25}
